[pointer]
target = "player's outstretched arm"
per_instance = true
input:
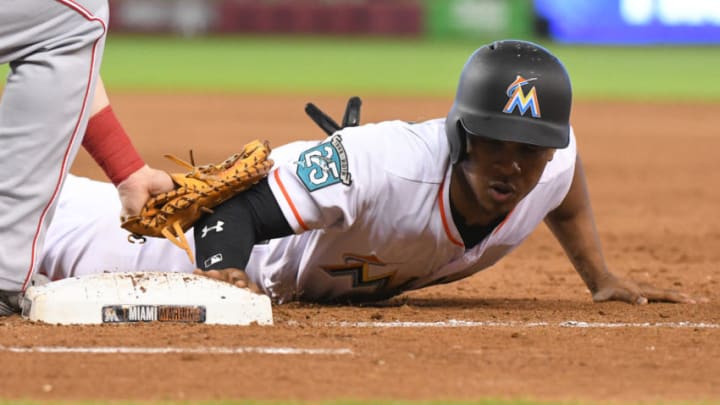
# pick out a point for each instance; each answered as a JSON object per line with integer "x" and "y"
{"x": 573, "y": 225}
{"x": 225, "y": 238}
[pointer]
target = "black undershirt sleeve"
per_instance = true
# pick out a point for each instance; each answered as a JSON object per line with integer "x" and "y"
{"x": 226, "y": 237}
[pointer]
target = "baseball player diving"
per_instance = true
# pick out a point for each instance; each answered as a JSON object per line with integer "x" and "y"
{"x": 379, "y": 209}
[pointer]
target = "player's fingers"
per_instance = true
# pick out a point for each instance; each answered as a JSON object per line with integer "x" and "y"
{"x": 219, "y": 275}
{"x": 254, "y": 288}
{"x": 672, "y": 296}
{"x": 620, "y": 294}
{"x": 199, "y": 272}
{"x": 233, "y": 276}
{"x": 246, "y": 283}
{"x": 161, "y": 182}
{"x": 237, "y": 277}
{"x": 213, "y": 274}
{"x": 661, "y": 295}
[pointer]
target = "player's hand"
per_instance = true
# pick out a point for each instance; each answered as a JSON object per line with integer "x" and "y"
{"x": 231, "y": 275}
{"x": 612, "y": 288}
{"x": 140, "y": 186}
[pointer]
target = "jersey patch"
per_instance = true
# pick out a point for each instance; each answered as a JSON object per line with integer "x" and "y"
{"x": 324, "y": 165}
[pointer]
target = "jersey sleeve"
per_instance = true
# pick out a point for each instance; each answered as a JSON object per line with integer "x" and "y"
{"x": 326, "y": 184}
{"x": 559, "y": 174}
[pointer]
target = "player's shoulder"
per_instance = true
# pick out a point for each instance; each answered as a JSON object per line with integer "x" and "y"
{"x": 416, "y": 151}
{"x": 563, "y": 163}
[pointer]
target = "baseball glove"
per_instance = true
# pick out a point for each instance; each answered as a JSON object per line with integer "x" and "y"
{"x": 170, "y": 214}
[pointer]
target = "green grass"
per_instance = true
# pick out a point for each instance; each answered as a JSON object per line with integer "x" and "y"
{"x": 403, "y": 67}
{"x": 648, "y": 73}
{"x": 396, "y": 67}
{"x": 281, "y": 65}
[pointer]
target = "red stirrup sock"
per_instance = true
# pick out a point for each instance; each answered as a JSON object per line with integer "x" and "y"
{"x": 108, "y": 143}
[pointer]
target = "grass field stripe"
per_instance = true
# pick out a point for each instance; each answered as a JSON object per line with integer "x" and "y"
{"x": 174, "y": 350}
{"x": 453, "y": 323}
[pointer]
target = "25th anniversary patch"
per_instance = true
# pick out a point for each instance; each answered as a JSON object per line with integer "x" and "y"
{"x": 324, "y": 165}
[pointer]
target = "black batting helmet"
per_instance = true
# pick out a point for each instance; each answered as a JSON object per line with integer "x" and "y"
{"x": 511, "y": 91}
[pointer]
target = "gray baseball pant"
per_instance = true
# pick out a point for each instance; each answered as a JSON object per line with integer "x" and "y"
{"x": 54, "y": 48}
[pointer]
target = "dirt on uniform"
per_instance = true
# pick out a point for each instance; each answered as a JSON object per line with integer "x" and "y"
{"x": 654, "y": 178}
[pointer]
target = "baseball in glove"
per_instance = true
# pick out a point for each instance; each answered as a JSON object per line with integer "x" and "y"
{"x": 170, "y": 214}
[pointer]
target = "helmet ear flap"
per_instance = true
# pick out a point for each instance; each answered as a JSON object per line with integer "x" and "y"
{"x": 460, "y": 144}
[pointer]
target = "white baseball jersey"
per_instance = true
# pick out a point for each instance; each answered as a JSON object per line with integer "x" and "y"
{"x": 369, "y": 205}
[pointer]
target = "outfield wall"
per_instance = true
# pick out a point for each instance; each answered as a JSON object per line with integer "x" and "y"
{"x": 405, "y": 18}
{"x": 617, "y": 22}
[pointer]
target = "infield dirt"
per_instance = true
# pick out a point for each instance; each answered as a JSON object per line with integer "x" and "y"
{"x": 654, "y": 178}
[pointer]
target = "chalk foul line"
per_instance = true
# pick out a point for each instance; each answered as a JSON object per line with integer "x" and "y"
{"x": 454, "y": 323}
{"x": 451, "y": 323}
{"x": 174, "y": 350}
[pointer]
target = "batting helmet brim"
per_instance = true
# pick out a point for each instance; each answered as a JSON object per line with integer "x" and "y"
{"x": 512, "y": 128}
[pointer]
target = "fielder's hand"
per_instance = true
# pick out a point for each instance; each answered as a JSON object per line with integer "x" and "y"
{"x": 612, "y": 288}
{"x": 139, "y": 187}
{"x": 234, "y": 276}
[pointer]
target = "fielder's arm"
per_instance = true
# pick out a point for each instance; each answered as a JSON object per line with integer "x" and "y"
{"x": 109, "y": 145}
{"x": 573, "y": 225}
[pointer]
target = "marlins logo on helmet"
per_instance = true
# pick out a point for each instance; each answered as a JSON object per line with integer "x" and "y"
{"x": 520, "y": 100}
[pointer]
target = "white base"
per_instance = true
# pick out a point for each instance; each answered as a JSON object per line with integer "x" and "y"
{"x": 144, "y": 297}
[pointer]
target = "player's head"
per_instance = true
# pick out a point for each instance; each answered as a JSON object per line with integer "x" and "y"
{"x": 511, "y": 113}
{"x": 514, "y": 91}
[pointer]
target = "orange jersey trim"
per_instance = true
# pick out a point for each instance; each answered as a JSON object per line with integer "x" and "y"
{"x": 290, "y": 202}
{"x": 497, "y": 229}
{"x": 444, "y": 219}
